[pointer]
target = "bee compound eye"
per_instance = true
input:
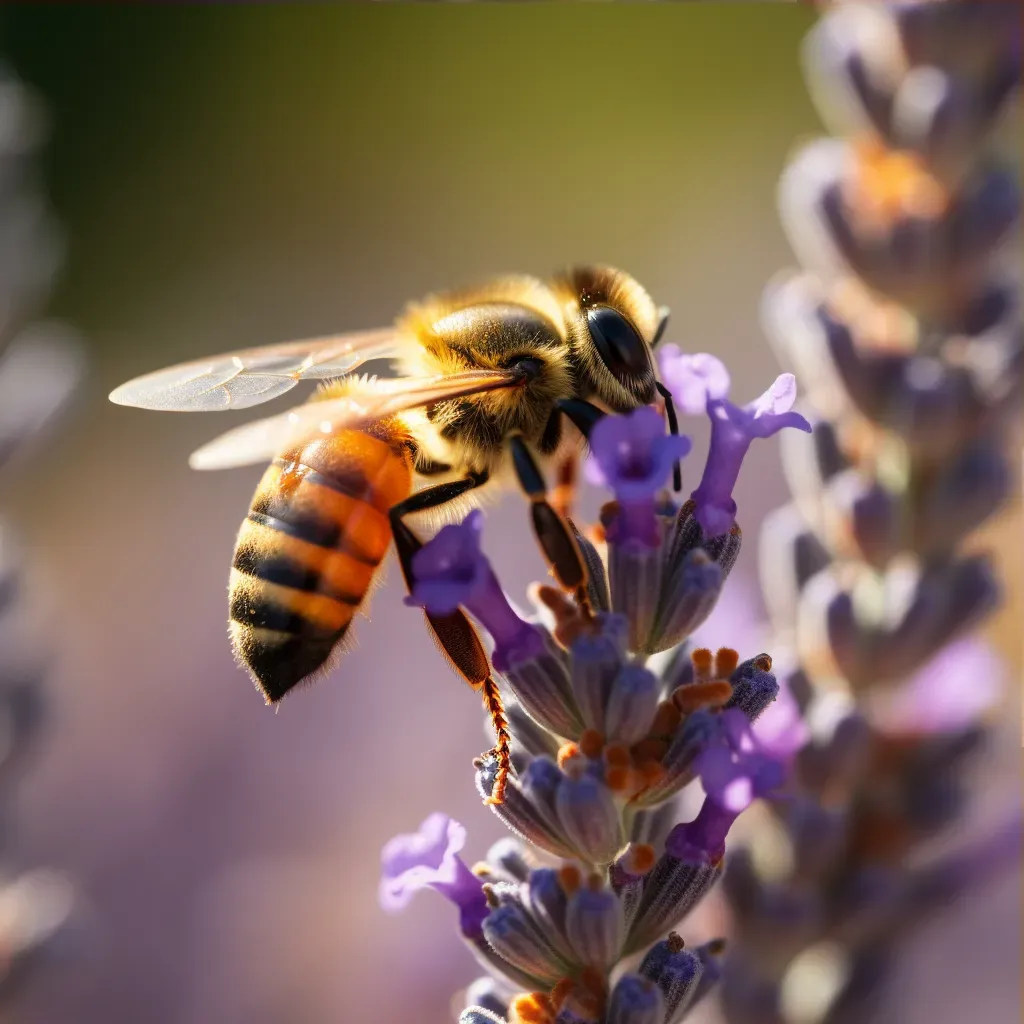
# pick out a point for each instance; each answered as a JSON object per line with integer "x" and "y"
{"x": 619, "y": 343}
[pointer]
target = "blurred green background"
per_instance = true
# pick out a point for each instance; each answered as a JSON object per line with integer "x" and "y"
{"x": 231, "y": 176}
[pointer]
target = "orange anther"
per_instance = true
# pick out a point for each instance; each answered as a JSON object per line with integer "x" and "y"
{"x": 666, "y": 719}
{"x": 701, "y": 659}
{"x": 892, "y": 183}
{"x": 701, "y": 695}
{"x": 726, "y": 660}
{"x": 651, "y": 772}
{"x": 569, "y": 878}
{"x": 532, "y": 1008}
{"x": 591, "y": 743}
{"x": 639, "y": 858}
{"x": 615, "y": 754}
{"x": 649, "y": 749}
{"x": 618, "y": 780}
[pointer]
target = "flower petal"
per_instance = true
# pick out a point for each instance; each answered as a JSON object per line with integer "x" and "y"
{"x": 412, "y": 861}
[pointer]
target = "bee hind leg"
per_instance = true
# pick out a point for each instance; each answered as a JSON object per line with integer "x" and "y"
{"x": 454, "y": 634}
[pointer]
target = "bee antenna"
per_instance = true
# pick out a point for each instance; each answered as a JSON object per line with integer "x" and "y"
{"x": 673, "y": 428}
{"x": 663, "y": 314}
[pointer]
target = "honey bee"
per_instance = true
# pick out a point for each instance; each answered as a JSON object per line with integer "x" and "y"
{"x": 485, "y": 378}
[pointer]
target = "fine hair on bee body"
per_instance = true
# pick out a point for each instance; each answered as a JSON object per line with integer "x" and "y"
{"x": 487, "y": 377}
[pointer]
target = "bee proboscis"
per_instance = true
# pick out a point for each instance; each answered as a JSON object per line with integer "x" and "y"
{"x": 487, "y": 378}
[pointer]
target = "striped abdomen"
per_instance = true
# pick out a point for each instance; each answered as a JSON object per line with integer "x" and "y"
{"x": 316, "y": 533}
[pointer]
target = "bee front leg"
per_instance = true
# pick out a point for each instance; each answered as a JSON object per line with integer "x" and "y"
{"x": 554, "y": 535}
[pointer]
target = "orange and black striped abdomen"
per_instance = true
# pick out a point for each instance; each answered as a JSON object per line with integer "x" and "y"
{"x": 307, "y": 552}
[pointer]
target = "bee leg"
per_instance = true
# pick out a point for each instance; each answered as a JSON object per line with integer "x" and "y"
{"x": 454, "y": 634}
{"x": 555, "y": 537}
{"x": 563, "y": 494}
{"x": 584, "y": 415}
{"x": 673, "y": 428}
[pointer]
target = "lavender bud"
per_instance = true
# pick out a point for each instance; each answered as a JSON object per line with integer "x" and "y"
{"x": 530, "y": 739}
{"x": 690, "y": 739}
{"x": 690, "y": 594}
{"x": 595, "y": 926}
{"x": 510, "y": 857}
{"x": 676, "y": 971}
{"x": 653, "y": 825}
{"x": 635, "y": 1000}
{"x": 817, "y": 834}
{"x": 629, "y": 888}
{"x": 789, "y": 555}
{"x": 480, "y": 1015}
{"x": 546, "y": 900}
{"x": 540, "y": 683}
{"x": 590, "y": 818}
{"x": 711, "y": 956}
{"x": 635, "y": 571}
{"x": 541, "y": 782}
{"x": 596, "y": 661}
{"x": 688, "y": 536}
{"x": 515, "y": 938}
{"x": 947, "y": 600}
{"x": 670, "y": 891}
{"x": 486, "y": 994}
{"x": 631, "y": 705}
{"x": 520, "y": 812}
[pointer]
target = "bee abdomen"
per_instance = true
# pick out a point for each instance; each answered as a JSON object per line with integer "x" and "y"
{"x": 307, "y": 553}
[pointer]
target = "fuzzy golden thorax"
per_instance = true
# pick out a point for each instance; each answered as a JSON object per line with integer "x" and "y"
{"x": 512, "y": 321}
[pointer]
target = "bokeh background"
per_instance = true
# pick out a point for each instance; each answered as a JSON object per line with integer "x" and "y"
{"x": 231, "y": 176}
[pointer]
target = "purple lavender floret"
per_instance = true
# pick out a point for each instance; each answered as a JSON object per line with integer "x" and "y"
{"x": 430, "y": 857}
{"x": 452, "y": 571}
{"x": 734, "y": 771}
{"x": 633, "y": 456}
{"x": 700, "y": 383}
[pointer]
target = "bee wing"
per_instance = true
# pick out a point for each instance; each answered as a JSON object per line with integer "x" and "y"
{"x": 367, "y": 401}
{"x": 237, "y": 380}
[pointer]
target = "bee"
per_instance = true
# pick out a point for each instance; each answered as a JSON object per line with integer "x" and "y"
{"x": 486, "y": 378}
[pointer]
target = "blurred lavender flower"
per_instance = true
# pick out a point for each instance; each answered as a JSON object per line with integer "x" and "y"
{"x": 905, "y": 333}
{"x": 40, "y": 366}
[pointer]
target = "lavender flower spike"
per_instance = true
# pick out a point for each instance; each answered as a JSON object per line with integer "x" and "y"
{"x": 700, "y": 383}
{"x": 451, "y": 570}
{"x": 633, "y": 456}
{"x": 430, "y": 857}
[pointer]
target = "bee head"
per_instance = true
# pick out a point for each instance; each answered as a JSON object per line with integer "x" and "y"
{"x": 611, "y": 323}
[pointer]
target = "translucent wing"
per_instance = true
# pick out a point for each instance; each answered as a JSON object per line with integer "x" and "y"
{"x": 237, "y": 380}
{"x": 368, "y": 400}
